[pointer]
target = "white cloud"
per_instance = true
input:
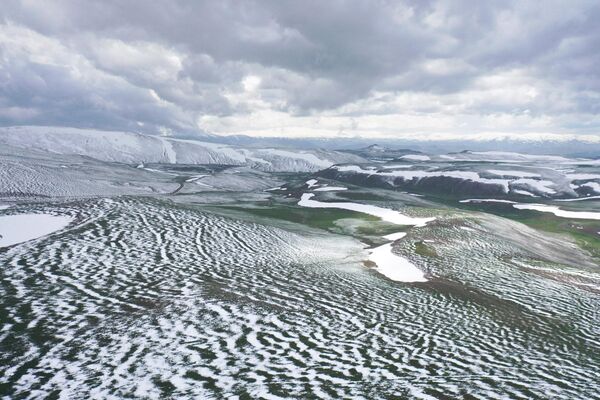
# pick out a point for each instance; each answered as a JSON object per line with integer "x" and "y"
{"x": 418, "y": 70}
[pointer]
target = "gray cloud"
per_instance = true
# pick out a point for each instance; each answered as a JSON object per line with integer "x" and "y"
{"x": 173, "y": 65}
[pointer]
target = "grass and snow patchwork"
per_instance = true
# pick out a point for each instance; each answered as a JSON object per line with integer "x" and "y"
{"x": 388, "y": 264}
{"x": 542, "y": 208}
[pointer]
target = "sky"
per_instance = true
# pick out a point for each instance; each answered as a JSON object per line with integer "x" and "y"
{"x": 370, "y": 69}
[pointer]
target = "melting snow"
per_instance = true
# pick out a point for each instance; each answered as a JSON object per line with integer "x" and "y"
{"x": 392, "y": 266}
{"x": 558, "y": 212}
{"x": 21, "y": 228}
{"x": 395, "y": 267}
{"x": 330, "y": 188}
{"x": 385, "y": 214}
{"x": 524, "y": 193}
{"x": 582, "y": 177}
{"x": 518, "y": 174}
{"x": 580, "y": 198}
{"x": 395, "y": 236}
{"x": 397, "y": 166}
{"x": 416, "y": 157}
{"x": 352, "y": 168}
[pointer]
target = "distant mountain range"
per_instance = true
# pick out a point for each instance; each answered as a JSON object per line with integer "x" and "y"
{"x": 570, "y": 148}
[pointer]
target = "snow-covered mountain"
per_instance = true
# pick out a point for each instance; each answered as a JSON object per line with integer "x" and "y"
{"x": 129, "y": 147}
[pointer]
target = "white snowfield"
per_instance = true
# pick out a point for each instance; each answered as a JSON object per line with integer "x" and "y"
{"x": 524, "y": 193}
{"x": 416, "y": 157}
{"x": 395, "y": 267}
{"x": 395, "y": 236}
{"x": 580, "y": 198}
{"x": 23, "y": 227}
{"x": 385, "y": 214}
{"x": 311, "y": 182}
{"x": 558, "y": 212}
{"x": 135, "y": 148}
{"x": 330, "y": 189}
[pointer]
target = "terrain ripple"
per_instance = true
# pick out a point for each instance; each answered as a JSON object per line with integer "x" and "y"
{"x": 142, "y": 298}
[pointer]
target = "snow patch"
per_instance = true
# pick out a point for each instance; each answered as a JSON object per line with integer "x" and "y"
{"x": 558, "y": 212}
{"x": 23, "y": 227}
{"x": 395, "y": 267}
{"x": 330, "y": 189}
{"x": 397, "y": 166}
{"x": 352, "y": 168}
{"x": 582, "y": 177}
{"x": 524, "y": 193}
{"x": 385, "y": 214}
{"x": 580, "y": 198}
{"x": 395, "y": 236}
{"x": 416, "y": 157}
{"x": 311, "y": 182}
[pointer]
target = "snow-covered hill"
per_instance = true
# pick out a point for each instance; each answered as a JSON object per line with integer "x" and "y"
{"x": 128, "y": 147}
{"x": 505, "y": 175}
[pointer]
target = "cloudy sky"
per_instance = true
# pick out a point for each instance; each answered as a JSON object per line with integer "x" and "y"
{"x": 411, "y": 69}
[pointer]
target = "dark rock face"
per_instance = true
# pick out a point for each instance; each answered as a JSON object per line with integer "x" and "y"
{"x": 436, "y": 185}
{"x": 453, "y": 187}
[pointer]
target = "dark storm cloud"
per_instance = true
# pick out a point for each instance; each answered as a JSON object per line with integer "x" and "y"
{"x": 133, "y": 64}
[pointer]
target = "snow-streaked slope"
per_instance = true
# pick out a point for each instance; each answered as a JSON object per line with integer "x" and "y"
{"x": 35, "y": 173}
{"x": 502, "y": 156}
{"x": 128, "y": 147}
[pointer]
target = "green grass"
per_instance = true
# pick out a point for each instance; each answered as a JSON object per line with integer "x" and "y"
{"x": 584, "y": 232}
{"x": 422, "y": 249}
{"x": 322, "y": 218}
{"x": 365, "y": 196}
